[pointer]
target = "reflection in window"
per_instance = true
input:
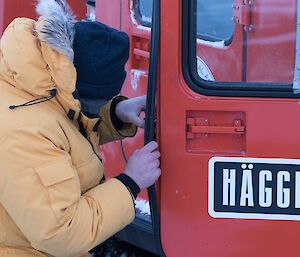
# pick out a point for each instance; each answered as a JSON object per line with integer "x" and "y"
{"x": 263, "y": 55}
{"x": 215, "y": 19}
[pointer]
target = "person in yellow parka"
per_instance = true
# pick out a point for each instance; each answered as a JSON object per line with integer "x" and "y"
{"x": 57, "y": 76}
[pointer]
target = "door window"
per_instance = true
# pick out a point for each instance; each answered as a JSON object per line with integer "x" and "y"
{"x": 240, "y": 46}
{"x": 214, "y": 18}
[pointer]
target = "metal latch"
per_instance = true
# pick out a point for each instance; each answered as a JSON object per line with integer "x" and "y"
{"x": 141, "y": 50}
{"x": 242, "y": 14}
{"x": 201, "y": 126}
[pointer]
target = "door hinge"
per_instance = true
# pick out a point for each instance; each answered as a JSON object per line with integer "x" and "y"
{"x": 242, "y": 14}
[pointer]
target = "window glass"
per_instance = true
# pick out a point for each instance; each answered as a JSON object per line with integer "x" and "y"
{"x": 245, "y": 41}
{"x": 91, "y": 2}
{"x": 144, "y": 11}
{"x": 215, "y": 19}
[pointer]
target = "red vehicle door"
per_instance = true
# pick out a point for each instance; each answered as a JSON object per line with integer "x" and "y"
{"x": 229, "y": 129}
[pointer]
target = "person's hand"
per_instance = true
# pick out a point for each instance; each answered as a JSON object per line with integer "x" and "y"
{"x": 129, "y": 111}
{"x": 143, "y": 165}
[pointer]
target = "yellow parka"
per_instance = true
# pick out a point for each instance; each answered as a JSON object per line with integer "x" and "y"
{"x": 51, "y": 202}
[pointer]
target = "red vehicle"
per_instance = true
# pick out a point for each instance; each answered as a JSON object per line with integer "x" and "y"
{"x": 222, "y": 79}
{"x": 26, "y": 8}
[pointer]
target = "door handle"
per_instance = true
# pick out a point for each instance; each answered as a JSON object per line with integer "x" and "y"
{"x": 216, "y": 130}
{"x": 141, "y": 53}
{"x": 193, "y": 128}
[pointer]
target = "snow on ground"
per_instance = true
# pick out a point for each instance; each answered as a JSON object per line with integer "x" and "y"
{"x": 143, "y": 206}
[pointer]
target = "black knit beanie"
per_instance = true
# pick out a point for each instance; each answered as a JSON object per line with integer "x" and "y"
{"x": 100, "y": 55}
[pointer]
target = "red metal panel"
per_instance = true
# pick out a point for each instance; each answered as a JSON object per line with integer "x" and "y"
{"x": 79, "y": 8}
{"x": 109, "y": 12}
{"x": 10, "y": 9}
{"x": 1, "y": 16}
{"x": 15, "y": 8}
{"x": 271, "y": 131}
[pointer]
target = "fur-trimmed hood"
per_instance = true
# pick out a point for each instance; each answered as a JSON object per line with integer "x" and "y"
{"x": 57, "y": 28}
{"x": 37, "y": 56}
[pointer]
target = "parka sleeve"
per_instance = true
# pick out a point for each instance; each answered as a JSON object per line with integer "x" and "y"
{"x": 40, "y": 190}
{"x": 111, "y": 128}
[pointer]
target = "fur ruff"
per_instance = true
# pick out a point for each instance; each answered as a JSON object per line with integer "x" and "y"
{"x": 58, "y": 26}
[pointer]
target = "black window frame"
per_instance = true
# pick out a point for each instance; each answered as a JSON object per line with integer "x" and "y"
{"x": 212, "y": 88}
